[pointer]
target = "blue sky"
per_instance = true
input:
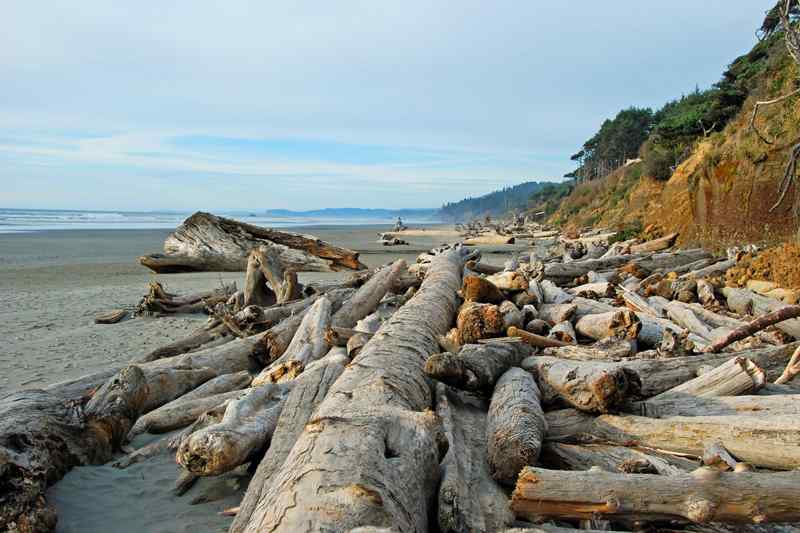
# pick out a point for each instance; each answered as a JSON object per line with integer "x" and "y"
{"x": 303, "y": 105}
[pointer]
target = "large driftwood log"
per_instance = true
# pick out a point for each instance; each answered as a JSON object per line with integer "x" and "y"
{"x": 702, "y": 496}
{"x": 367, "y": 298}
{"x": 481, "y": 290}
{"x": 307, "y": 345}
{"x": 469, "y": 499}
{"x": 214, "y": 332}
{"x": 167, "y": 384}
{"x": 614, "y": 459}
{"x": 369, "y": 456}
{"x": 745, "y": 302}
{"x": 592, "y": 386}
{"x": 245, "y": 428}
{"x": 768, "y": 441}
{"x": 609, "y": 349}
{"x": 535, "y": 340}
{"x": 484, "y": 321}
{"x": 476, "y": 367}
{"x": 307, "y": 393}
{"x": 206, "y": 242}
{"x": 567, "y": 272}
{"x": 256, "y": 290}
{"x": 515, "y": 426}
{"x": 655, "y": 245}
{"x": 781, "y": 404}
{"x": 42, "y": 437}
{"x": 760, "y": 323}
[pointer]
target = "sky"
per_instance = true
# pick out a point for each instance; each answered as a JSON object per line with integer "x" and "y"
{"x": 305, "y": 105}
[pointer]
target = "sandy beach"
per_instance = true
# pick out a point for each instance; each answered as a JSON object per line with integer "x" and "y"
{"x": 52, "y": 283}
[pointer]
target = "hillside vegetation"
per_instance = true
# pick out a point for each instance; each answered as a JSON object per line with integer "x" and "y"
{"x": 493, "y": 204}
{"x": 704, "y": 171}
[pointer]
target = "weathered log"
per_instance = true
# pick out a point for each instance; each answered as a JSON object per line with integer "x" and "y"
{"x": 622, "y": 324}
{"x": 469, "y": 499}
{"x": 489, "y": 239}
{"x": 538, "y": 327}
{"x": 256, "y": 291}
{"x": 608, "y": 349}
{"x": 206, "y": 242}
{"x": 483, "y": 268}
{"x": 715, "y": 269}
{"x": 668, "y": 261}
{"x": 477, "y": 366}
{"x": 564, "y": 332}
{"x": 369, "y": 456}
{"x": 685, "y": 318}
{"x": 705, "y": 495}
{"x": 792, "y": 369}
{"x": 655, "y": 245}
{"x": 553, "y": 294}
{"x": 767, "y": 441}
{"x": 245, "y": 428}
{"x": 602, "y": 289}
{"x": 636, "y": 303}
{"x": 613, "y": 459}
{"x": 167, "y": 384}
{"x": 483, "y": 321}
{"x": 509, "y": 281}
{"x": 42, "y": 437}
{"x": 737, "y": 376}
{"x": 515, "y": 425}
{"x": 213, "y": 332}
{"x": 591, "y": 386}
{"x": 782, "y": 404}
{"x": 705, "y": 293}
{"x": 555, "y": 313}
{"x": 481, "y": 290}
{"x": 760, "y": 323}
{"x": 111, "y": 317}
{"x": 535, "y": 340}
{"x": 306, "y": 394}
{"x": 745, "y": 302}
{"x": 366, "y": 299}
{"x": 180, "y": 413}
{"x": 307, "y": 345}
{"x": 357, "y": 342}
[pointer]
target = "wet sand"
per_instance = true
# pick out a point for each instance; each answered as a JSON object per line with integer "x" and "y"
{"x": 51, "y": 286}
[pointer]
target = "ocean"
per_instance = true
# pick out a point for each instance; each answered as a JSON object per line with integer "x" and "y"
{"x": 28, "y": 220}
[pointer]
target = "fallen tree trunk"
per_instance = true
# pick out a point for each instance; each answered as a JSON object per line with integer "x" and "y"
{"x": 590, "y": 386}
{"x": 614, "y": 459}
{"x": 167, "y": 384}
{"x": 469, "y": 499}
{"x": 42, "y": 437}
{"x": 737, "y": 376}
{"x": 564, "y": 332}
{"x": 204, "y": 242}
{"x": 245, "y": 428}
{"x": 782, "y": 404}
{"x": 476, "y": 367}
{"x": 535, "y": 340}
{"x": 481, "y": 290}
{"x": 200, "y": 337}
{"x": 485, "y": 321}
{"x": 609, "y": 349}
{"x": 655, "y": 245}
{"x": 767, "y": 441}
{"x": 384, "y": 469}
{"x": 515, "y": 425}
{"x": 622, "y": 324}
{"x": 703, "y": 496}
{"x": 745, "y": 302}
{"x": 306, "y": 394}
{"x": 367, "y": 298}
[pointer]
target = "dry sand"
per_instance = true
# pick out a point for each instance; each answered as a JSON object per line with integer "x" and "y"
{"x": 51, "y": 286}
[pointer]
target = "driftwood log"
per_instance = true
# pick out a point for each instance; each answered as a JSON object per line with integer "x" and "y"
{"x": 702, "y": 496}
{"x": 205, "y": 242}
{"x": 476, "y": 367}
{"x": 469, "y": 499}
{"x": 515, "y": 425}
{"x": 370, "y": 456}
{"x": 614, "y": 459}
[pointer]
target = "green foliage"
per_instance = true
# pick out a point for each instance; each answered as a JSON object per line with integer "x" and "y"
{"x": 627, "y": 232}
{"x": 494, "y": 203}
{"x": 549, "y": 197}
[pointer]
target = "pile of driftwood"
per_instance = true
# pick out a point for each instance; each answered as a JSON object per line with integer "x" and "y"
{"x": 627, "y": 391}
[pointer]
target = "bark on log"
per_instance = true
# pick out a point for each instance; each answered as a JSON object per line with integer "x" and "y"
{"x": 480, "y": 321}
{"x": 613, "y": 459}
{"x": 622, "y": 324}
{"x": 515, "y": 425}
{"x": 206, "y": 242}
{"x": 590, "y": 386}
{"x": 469, "y": 499}
{"x": 367, "y": 298}
{"x": 369, "y": 456}
{"x": 760, "y": 323}
{"x": 43, "y": 436}
{"x": 782, "y": 404}
{"x": 307, "y": 393}
{"x": 703, "y": 496}
{"x": 308, "y": 345}
{"x": 766, "y": 441}
{"x": 476, "y": 367}
{"x": 481, "y": 290}
{"x": 245, "y": 429}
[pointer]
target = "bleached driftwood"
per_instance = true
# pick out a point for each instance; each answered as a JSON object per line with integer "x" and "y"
{"x": 476, "y": 367}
